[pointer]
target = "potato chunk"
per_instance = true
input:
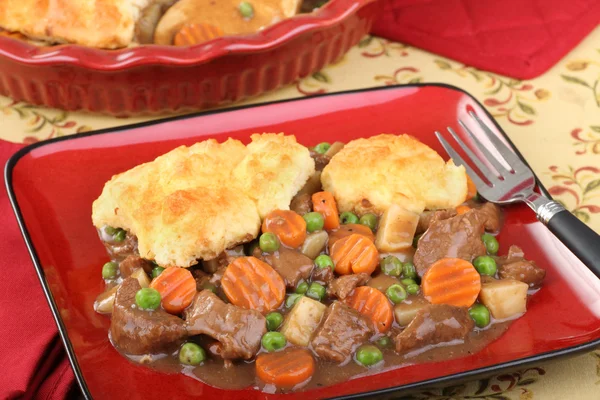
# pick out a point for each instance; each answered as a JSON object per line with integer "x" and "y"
{"x": 396, "y": 229}
{"x": 141, "y": 277}
{"x": 302, "y": 321}
{"x": 505, "y": 298}
{"x": 405, "y": 312}
{"x": 314, "y": 244}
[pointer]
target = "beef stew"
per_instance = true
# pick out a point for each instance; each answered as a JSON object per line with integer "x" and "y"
{"x": 239, "y": 327}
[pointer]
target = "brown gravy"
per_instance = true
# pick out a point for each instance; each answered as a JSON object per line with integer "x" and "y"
{"x": 242, "y": 375}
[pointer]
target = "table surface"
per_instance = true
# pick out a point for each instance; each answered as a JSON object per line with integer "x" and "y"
{"x": 554, "y": 120}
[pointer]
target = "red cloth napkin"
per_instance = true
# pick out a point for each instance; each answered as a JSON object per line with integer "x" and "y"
{"x": 33, "y": 360}
{"x": 517, "y": 38}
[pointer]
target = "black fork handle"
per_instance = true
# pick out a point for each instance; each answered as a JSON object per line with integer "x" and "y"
{"x": 578, "y": 237}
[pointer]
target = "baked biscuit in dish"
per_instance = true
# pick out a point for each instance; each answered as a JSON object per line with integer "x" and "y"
{"x": 224, "y": 14}
{"x": 369, "y": 175}
{"x": 195, "y": 202}
{"x": 275, "y": 168}
{"x": 106, "y": 24}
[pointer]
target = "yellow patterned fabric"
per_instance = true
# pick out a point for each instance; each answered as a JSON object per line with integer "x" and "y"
{"x": 554, "y": 120}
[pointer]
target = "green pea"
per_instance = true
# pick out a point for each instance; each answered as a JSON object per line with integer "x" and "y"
{"x": 109, "y": 270}
{"x": 480, "y": 314}
{"x": 413, "y": 288}
{"x": 368, "y": 355}
{"x": 273, "y": 341}
{"x": 324, "y": 261}
{"x": 408, "y": 281}
{"x": 147, "y": 299}
{"x": 491, "y": 243}
{"x": 302, "y": 288}
{"x": 485, "y": 265}
{"x": 292, "y": 299}
{"x": 191, "y": 354}
{"x": 156, "y": 271}
{"x": 409, "y": 270}
{"x": 316, "y": 291}
{"x": 314, "y": 221}
{"x": 274, "y": 320}
{"x": 391, "y": 265}
{"x": 348, "y": 218}
{"x": 322, "y": 148}
{"x": 246, "y": 9}
{"x": 369, "y": 220}
{"x": 416, "y": 238}
{"x": 384, "y": 342}
{"x": 268, "y": 242}
{"x": 476, "y": 197}
{"x": 110, "y": 230}
{"x": 119, "y": 236}
{"x": 396, "y": 293}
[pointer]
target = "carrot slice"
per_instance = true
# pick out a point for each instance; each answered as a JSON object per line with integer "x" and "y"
{"x": 462, "y": 209}
{"x": 471, "y": 188}
{"x": 191, "y": 34}
{"x": 285, "y": 369}
{"x": 452, "y": 281}
{"x": 354, "y": 253}
{"x": 177, "y": 288}
{"x": 349, "y": 229}
{"x": 373, "y": 304}
{"x": 287, "y": 225}
{"x": 324, "y": 203}
{"x": 252, "y": 284}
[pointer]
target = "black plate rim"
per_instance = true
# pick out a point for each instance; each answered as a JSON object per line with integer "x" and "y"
{"x": 460, "y": 376}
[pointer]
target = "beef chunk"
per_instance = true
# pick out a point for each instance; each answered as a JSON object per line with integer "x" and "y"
{"x": 323, "y": 275}
{"x": 491, "y": 216}
{"x": 344, "y": 285}
{"x": 136, "y": 331}
{"x": 321, "y": 160}
{"x": 434, "y": 324}
{"x": 121, "y": 250}
{"x": 458, "y": 237}
{"x": 133, "y": 262}
{"x": 302, "y": 203}
{"x": 429, "y": 217}
{"x": 291, "y": 265}
{"x": 238, "y": 330}
{"x": 515, "y": 266}
{"x": 343, "y": 329}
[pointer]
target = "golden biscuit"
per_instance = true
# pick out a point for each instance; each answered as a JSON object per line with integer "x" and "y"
{"x": 274, "y": 170}
{"x": 369, "y": 175}
{"x": 194, "y": 202}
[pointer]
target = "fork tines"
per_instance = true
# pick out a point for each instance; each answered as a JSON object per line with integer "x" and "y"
{"x": 493, "y": 177}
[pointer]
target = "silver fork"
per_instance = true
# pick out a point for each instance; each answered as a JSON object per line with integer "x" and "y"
{"x": 517, "y": 183}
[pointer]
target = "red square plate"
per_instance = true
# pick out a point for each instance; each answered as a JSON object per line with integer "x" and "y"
{"x": 52, "y": 186}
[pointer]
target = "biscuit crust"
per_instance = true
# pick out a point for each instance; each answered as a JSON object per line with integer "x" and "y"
{"x": 195, "y": 202}
{"x": 95, "y": 23}
{"x": 369, "y": 175}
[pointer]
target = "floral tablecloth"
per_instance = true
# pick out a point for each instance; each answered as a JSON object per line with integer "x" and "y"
{"x": 554, "y": 120}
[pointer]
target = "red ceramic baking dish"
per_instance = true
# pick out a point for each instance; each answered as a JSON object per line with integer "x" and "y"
{"x": 53, "y": 206}
{"x": 153, "y": 79}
